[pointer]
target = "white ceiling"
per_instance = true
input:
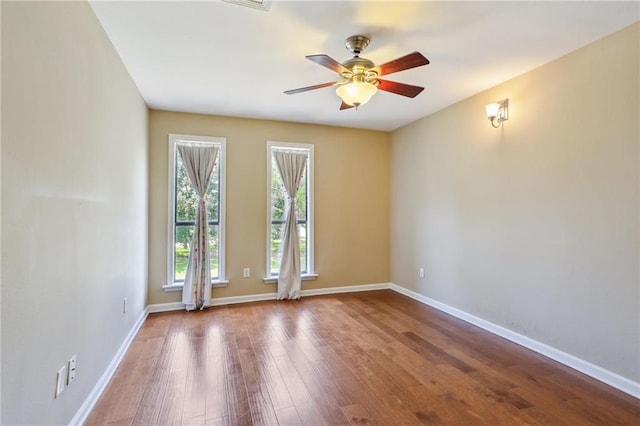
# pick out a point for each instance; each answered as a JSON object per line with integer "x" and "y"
{"x": 215, "y": 57}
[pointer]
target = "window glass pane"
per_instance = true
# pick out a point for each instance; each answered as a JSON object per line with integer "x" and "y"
{"x": 276, "y": 234}
{"x": 184, "y": 234}
{"x": 301, "y": 198}
{"x": 213, "y": 250}
{"x": 213, "y": 193}
{"x": 302, "y": 231}
{"x": 182, "y": 251}
{"x": 186, "y": 198}
{"x": 278, "y": 194}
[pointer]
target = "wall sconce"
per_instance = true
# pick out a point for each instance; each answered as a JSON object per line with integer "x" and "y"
{"x": 498, "y": 112}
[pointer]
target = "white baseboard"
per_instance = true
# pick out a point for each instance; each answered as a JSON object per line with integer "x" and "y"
{"x": 96, "y": 392}
{"x": 165, "y": 307}
{"x": 232, "y": 300}
{"x": 612, "y": 379}
{"x": 346, "y": 289}
{"x": 221, "y": 301}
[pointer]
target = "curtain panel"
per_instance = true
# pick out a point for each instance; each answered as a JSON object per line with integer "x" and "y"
{"x": 291, "y": 167}
{"x": 198, "y": 161}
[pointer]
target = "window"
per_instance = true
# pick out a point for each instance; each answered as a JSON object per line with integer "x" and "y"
{"x": 183, "y": 202}
{"x": 276, "y": 209}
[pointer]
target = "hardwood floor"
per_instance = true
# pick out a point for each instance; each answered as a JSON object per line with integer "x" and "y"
{"x": 361, "y": 358}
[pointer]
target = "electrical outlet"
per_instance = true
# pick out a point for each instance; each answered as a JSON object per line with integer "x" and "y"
{"x": 72, "y": 370}
{"x": 246, "y": 272}
{"x": 421, "y": 272}
{"x": 124, "y": 305}
{"x": 61, "y": 379}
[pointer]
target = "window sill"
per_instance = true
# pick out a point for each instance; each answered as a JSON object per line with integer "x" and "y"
{"x": 305, "y": 277}
{"x": 178, "y": 287}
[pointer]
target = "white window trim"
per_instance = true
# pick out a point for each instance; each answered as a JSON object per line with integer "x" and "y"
{"x": 310, "y": 275}
{"x": 174, "y": 139}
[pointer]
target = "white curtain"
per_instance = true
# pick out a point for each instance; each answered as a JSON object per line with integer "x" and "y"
{"x": 198, "y": 162}
{"x": 291, "y": 167}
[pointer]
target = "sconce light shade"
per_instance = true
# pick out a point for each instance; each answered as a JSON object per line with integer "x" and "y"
{"x": 356, "y": 93}
{"x": 492, "y": 110}
{"x": 498, "y": 112}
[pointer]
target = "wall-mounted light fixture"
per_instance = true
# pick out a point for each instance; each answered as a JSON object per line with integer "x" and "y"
{"x": 498, "y": 112}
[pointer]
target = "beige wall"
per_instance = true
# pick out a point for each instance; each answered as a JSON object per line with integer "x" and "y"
{"x": 533, "y": 226}
{"x": 351, "y": 200}
{"x": 74, "y": 206}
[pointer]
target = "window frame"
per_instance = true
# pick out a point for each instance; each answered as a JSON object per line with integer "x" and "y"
{"x": 292, "y": 146}
{"x": 174, "y": 141}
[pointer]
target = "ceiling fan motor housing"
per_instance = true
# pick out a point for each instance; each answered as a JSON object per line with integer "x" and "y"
{"x": 358, "y": 65}
{"x": 361, "y": 68}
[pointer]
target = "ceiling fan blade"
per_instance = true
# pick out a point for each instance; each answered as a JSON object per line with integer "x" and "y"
{"x": 305, "y": 89}
{"x": 400, "y": 88}
{"x": 412, "y": 60}
{"x": 345, "y": 106}
{"x": 329, "y": 62}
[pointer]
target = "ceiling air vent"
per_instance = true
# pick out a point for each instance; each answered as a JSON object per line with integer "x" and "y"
{"x": 256, "y": 4}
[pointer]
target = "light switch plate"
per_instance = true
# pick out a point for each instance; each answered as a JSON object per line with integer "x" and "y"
{"x": 61, "y": 380}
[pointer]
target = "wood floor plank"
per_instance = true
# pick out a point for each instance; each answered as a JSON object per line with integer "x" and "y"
{"x": 149, "y": 409}
{"x": 219, "y": 421}
{"x": 327, "y": 407}
{"x": 296, "y": 388}
{"x": 433, "y": 409}
{"x": 288, "y": 417}
{"x": 235, "y": 388}
{"x": 356, "y": 414}
{"x": 362, "y": 358}
{"x": 216, "y": 398}
{"x": 261, "y": 407}
{"x": 196, "y": 383}
{"x": 310, "y": 415}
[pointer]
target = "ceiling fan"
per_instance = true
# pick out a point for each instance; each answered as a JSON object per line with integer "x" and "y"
{"x": 360, "y": 78}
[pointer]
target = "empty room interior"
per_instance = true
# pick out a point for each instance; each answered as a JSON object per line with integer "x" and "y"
{"x": 225, "y": 212}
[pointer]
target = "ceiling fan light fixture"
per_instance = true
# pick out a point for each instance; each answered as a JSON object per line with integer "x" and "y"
{"x": 356, "y": 93}
{"x": 359, "y": 77}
